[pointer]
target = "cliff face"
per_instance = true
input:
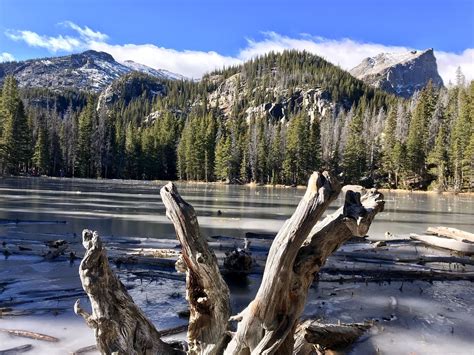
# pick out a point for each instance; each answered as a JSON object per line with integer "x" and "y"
{"x": 401, "y": 74}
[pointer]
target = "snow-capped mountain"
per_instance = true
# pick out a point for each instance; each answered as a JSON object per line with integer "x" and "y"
{"x": 399, "y": 73}
{"x": 160, "y": 73}
{"x": 89, "y": 71}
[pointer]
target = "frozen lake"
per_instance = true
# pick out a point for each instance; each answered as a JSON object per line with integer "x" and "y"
{"x": 422, "y": 322}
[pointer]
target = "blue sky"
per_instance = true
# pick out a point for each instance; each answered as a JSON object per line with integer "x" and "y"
{"x": 226, "y": 32}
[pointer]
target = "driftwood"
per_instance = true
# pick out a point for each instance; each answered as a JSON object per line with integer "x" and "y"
{"x": 206, "y": 291}
{"x": 30, "y": 335}
{"x": 312, "y": 337}
{"x": 268, "y": 323}
{"x": 453, "y": 233}
{"x": 120, "y": 326}
{"x": 17, "y": 350}
{"x": 445, "y": 243}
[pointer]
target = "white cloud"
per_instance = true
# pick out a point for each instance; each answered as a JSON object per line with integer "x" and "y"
{"x": 60, "y": 42}
{"x": 53, "y": 44}
{"x": 348, "y": 53}
{"x": 86, "y": 33}
{"x": 6, "y": 57}
{"x": 192, "y": 64}
{"x": 345, "y": 52}
{"x": 449, "y": 62}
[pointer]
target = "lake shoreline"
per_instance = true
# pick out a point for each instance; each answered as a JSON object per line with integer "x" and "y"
{"x": 251, "y": 184}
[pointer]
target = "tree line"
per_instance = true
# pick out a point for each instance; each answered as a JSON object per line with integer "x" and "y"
{"x": 424, "y": 142}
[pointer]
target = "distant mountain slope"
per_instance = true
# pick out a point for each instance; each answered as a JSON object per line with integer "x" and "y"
{"x": 160, "y": 73}
{"x": 401, "y": 74}
{"x": 88, "y": 71}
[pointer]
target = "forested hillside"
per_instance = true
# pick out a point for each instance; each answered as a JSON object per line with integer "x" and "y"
{"x": 272, "y": 120}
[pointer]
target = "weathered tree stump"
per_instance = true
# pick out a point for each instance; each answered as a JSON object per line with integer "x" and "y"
{"x": 353, "y": 219}
{"x": 270, "y": 319}
{"x": 120, "y": 326}
{"x": 206, "y": 291}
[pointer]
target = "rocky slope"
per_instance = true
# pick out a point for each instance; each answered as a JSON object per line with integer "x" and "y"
{"x": 88, "y": 71}
{"x": 401, "y": 74}
{"x": 129, "y": 87}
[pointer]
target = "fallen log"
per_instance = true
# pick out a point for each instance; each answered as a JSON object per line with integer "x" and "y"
{"x": 445, "y": 243}
{"x": 30, "y": 335}
{"x": 422, "y": 259}
{"x": 120, "y": 326}
{"x": 85, "y": 350}
{"x": 313, "y": 337}
{"x": 267, "y": 325}
{"x": 206, "y": 291}
{"x": 453, "y": 233}
{"x": 17, "y": 350}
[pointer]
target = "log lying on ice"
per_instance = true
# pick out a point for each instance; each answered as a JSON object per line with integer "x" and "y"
{"x": 17, "y": 350}
{"x": 311, "y": 335}
{"x": 268, "y": 323}
{"x": 120, "y": 326}
{"x": 453, "y": 233}
{"x": 445, "y": 243}
{"x": 207, "y": 293}
{"x": 30, "y": 335}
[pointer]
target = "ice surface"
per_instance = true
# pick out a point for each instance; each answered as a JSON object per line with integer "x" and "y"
{"x": 424, "y": 319}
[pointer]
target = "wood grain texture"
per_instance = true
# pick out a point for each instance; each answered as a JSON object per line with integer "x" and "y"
{"x": 207, "y": 293}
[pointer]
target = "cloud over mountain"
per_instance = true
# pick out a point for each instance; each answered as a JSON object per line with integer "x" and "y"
{"x": 345, "y": 52}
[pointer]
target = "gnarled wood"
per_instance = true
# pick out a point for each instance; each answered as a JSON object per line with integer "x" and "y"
{"x": 206, "y": 291}
{"x": 270, "y": 319}
{"x": 311, "y": 336}
{"x": 120, "y": 326}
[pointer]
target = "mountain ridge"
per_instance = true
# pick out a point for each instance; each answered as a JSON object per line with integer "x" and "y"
{"x": 89, "y": 71}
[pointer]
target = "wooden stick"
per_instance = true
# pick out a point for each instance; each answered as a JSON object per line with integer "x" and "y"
{"x": 17, "y": 349}
{"x": 28, "y": 334}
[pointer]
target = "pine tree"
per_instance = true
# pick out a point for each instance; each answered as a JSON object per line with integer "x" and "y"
{"x": 460, "y": 138}
{"x": 41, "y": 157}
{"x": 418, "y": 131}
{"x": 276, "y": 156}
{"x": 439, "y": 158}
{"x": 354, "y": 161}
{"x": 85, "y": 131}
{"x": 132, "y": 152}
{"x": 15, "y": 143}
{"x": 296, "y": 163}
{"x": 388, "y": 144}
{"x": 315, "y": 152}
{"x": 222, "y": 158}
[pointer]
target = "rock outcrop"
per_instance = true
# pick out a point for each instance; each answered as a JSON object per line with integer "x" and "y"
{"x": 401, "y": 74}
{"x": 129, "y": 87}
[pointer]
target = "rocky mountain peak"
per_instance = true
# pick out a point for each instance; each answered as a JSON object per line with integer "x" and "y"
{"x": 87, "y": 71}
{"x": 401, "y": 73}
